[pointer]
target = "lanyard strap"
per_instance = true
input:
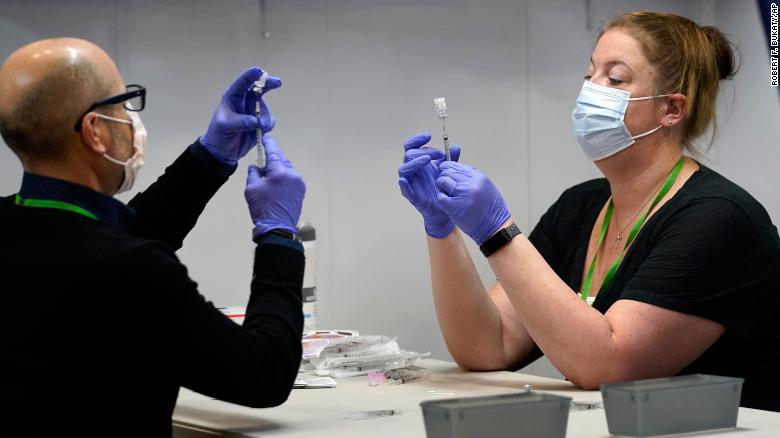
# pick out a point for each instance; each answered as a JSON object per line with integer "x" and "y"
{"x": 57, "y": 205}
{"x": 634, "y": 231}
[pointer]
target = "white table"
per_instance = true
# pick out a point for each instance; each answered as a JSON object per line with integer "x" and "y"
{"x": 315, "y": 413}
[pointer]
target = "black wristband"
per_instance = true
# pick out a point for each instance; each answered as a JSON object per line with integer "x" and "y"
{"x": 498, "y": 240}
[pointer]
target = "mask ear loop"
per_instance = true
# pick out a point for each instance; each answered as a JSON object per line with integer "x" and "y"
{"x": 648, "y": 97}
{"x": 648, "y": 132}
{"x": 657, "y": 127}
{"x": 126, "y": 122}
{"x": 114, "y": 119}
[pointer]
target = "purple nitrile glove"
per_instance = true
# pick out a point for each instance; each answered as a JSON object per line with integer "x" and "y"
{"x": 417, "y": 180}
{"x": 232, "y": 130}
{"x": 274, "y": 193}
{"x": 471, "y": 200}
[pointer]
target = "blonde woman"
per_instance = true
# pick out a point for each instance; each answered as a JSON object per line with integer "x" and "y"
{"x": 662, "y": 267}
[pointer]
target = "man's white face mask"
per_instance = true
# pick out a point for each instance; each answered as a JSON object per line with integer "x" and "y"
{"x": 133, "y": 164}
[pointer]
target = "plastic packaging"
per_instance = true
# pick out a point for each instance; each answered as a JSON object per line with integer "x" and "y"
{"x": 355, "y": 366}
{"x": 397, "y": 376}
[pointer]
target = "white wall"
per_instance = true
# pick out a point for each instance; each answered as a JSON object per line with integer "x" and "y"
{"x": 359, "y": 77}
{"x": 747, "y": 149}
{"x": 22, "y": 22}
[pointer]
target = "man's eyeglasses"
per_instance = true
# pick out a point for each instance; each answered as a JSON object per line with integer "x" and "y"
{"x": 134, "y": 100}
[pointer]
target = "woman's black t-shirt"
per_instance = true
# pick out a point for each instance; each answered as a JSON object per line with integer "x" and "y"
{"x": 710, "y": 251}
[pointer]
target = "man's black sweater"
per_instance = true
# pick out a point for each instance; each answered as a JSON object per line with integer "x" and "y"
{"x": 100, "y": 323}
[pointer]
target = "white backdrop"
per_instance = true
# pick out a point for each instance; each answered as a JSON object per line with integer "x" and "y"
{"x": 359, "y": 77}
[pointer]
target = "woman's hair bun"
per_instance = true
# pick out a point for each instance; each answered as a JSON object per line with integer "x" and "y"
{"x": 724, "y": 54}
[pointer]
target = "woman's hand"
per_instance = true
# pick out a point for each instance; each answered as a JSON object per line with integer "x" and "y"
{"x": 471, "y": 200}
{"x": 417, "y": 181}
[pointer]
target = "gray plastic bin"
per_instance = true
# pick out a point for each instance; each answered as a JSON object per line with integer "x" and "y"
{"x": 524, "y": 415}
{"x": 672, "y": 404}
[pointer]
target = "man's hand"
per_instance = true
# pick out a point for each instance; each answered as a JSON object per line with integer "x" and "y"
{"x": 274, "y": 193}
{"x": 232, "y": 130}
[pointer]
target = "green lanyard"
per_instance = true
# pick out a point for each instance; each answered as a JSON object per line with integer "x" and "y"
{"x": 605, "y": 226}
{"x": 58, "y": 205}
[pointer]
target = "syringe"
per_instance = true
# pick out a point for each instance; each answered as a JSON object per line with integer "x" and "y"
{"x": 258, "y": 89}
{"x": 441, "y": 110}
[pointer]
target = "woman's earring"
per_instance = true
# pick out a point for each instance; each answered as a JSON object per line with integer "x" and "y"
{"x": 670, "y": 123}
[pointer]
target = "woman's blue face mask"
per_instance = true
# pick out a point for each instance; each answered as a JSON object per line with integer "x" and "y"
{"x": 598, "y": 120}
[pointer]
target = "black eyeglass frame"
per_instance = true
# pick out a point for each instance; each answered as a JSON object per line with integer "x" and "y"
{"x": 133, "y": 91}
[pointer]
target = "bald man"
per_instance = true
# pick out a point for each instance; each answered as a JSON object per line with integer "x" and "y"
{"x": 100, "y": 323}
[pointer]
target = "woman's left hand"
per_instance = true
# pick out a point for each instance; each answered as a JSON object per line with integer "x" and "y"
{"x": 471, "y": 200}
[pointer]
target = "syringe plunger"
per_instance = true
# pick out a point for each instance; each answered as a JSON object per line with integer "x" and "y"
{"x": 258, "y": 89}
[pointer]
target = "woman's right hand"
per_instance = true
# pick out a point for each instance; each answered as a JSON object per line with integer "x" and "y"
{"x": 417, "y": 180}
